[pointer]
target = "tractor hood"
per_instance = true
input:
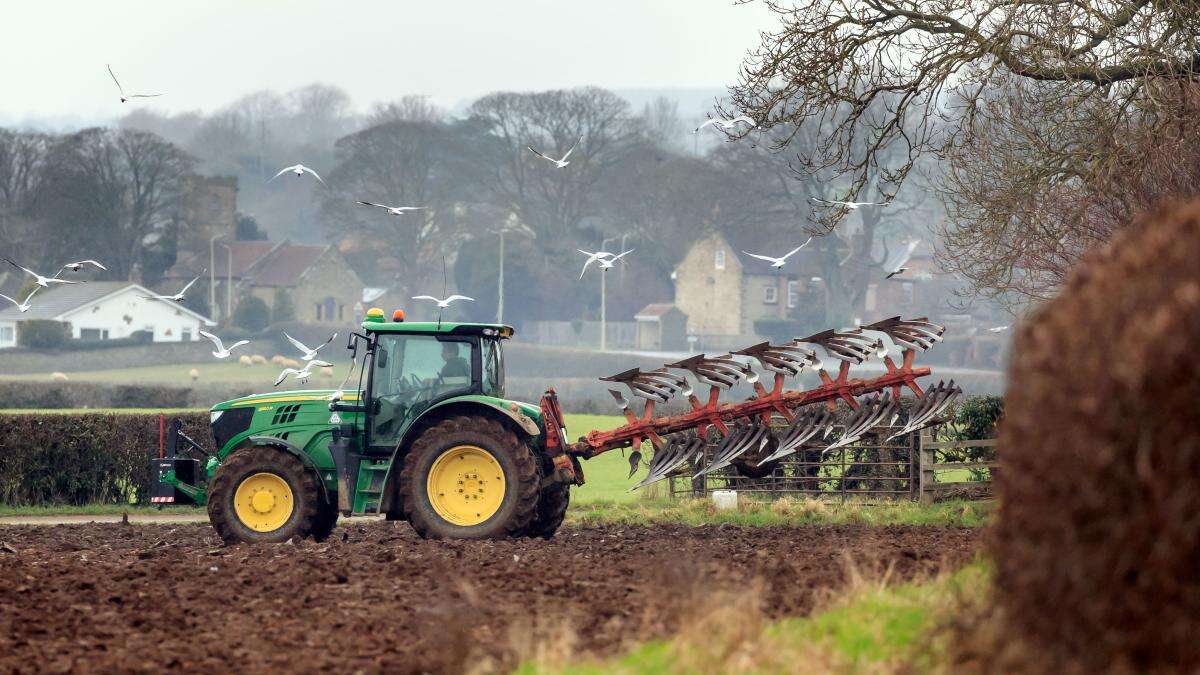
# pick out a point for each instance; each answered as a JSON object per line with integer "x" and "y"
{"x": 301, "y": 396}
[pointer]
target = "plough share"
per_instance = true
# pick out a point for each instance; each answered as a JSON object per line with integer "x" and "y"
{"x": 745, "y": 428}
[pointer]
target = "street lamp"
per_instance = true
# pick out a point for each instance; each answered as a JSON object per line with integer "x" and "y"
{"x": 511, "y": 224}
{"x": 212, "y": 275}
{"x": 228, "y": 283}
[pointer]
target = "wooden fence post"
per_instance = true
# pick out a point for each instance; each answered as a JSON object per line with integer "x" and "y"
{"x": 925, "y": 463}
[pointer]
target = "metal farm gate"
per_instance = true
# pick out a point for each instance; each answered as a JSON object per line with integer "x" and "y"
{"x": 871, "y": 470}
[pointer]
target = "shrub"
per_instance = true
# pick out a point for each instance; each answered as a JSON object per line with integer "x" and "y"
{"x": 82, "y": 458}
{"x": 283, "y": 310}
{"x": 252, "y": 313}
{"x": 42, "y": 334}
{"x": 1097, "y": 540}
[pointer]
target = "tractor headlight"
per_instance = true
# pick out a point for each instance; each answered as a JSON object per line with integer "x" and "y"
{"x": 214, "y": 416}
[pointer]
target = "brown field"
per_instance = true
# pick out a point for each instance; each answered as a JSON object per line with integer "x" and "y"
{"x": 375, "y": 598}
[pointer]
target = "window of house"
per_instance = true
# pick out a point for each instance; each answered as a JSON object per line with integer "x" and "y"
{"x": 719, "y": 259}
{"x": 341, "y": 312}
{"x": 6, "y": 334}
{"x": 907, "y": 289}
{"x": 793, "y": 294}
{"x": 93, "y": 333}
{"x": 186, "y": 335}
{"x": 770, "y": 295}
{"x": 318, "y": 311}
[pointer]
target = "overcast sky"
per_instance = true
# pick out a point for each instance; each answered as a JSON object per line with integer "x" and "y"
{"x": 209, "y": 53}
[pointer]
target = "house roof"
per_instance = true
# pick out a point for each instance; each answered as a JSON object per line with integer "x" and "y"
{"x": 53, "y": 303}
{"x": 804, "y": 260}
{"x": 653, "y": 311}
{"x": 285, "y": 265}
{"x": 245, "y": 254}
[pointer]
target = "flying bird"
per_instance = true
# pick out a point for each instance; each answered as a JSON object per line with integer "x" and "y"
{"x": 394, "y": 210}
{"x": 78, "y": 265}
{"x": 299, "y": 170}
{"x": 560, "y": 163}
{"x": 998, "y": 329}
{"x": 178, "y": 297}
{"x": 308, "y": 353}
{"x": 304, "y": 373}
{"x": 125, "y": 97}
{"x": 725, "y": 124}
{"x": 443, "y": 304}
{"x": 222, "y": 351}
{"x": 22, "y": 307}
{"x": 897, "y": 265}
{"x": 42, "y": 281}
{"x": 779, "y": 262}
{"x": 850, "y": 205}
{"x": 592, "y": 257}
{"x": 607, "y": 263}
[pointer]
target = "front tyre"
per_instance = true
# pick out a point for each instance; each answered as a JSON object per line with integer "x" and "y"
{"x": 263, "y": 495}
{"x": 469, "y": 478}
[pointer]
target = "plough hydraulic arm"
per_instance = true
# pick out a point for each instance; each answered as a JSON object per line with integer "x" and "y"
{"x": 746, "y": 426}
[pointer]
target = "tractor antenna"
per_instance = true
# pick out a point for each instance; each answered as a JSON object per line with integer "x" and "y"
{"x": 443, "y": 291}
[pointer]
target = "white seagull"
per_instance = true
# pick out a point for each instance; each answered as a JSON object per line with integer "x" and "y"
{"x": 394, "y": 210}
{"x": 299, "y": 170}
{"x": 896, "y": 266}
{"x": 42, "y": 281}
{"x": 560, "y": 163}
{"x": 304, "y": 373}
{"x": 849, "y": 205}
{"x": 22, "y": 307}
{"x": 592, "y": 257}
{"x": 78, "y": 265}
{"x": 998, "y": 329}
{"x": 443, "y": 304}
{"x": 308, "y": 353}
{"x": 178, "y": 297}
{"x": 125, "y": 97}
{"x": 725, "y": 124}
{"x": 606, "y": 264}
{"x": 223, "y": 351}
{"x": 779, "y": 262}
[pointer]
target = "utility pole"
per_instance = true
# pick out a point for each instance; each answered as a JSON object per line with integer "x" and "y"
{"x": 212, "y": 276}
{"x": 603, "y": 312}
{"x": 228, "y": 284}
{"x": 500, "y": 283}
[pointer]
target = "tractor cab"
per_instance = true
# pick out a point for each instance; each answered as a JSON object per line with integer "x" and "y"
{"x": 411, "y": 367}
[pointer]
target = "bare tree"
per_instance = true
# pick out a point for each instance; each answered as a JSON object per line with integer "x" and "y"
{"x": 116, "y": 191}
{"x": 553, "y": 202}
{"x": 22, "y": 167}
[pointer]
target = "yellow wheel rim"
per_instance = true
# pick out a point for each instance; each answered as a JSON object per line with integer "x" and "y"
{"x": 465, "y": 485}
{"x": 263, "y": 502}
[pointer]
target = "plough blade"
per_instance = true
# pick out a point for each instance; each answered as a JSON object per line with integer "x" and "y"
{"x": 788, "y": 359}
{"x": 740, "y": 440}
{"x": 656, "y": 385}
{"x": 850, "y": 346}
{"x": 718, "y": 371}
{"x": 668, "y": 460}
{"x": 806, "y": 427}
{"x": 870, "y": 414}
{"x": 917, "y": 334}
{"x": 928, "y": 407}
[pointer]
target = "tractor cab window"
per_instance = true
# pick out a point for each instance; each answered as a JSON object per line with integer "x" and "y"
{"x": 493, "y": 368}
{"x": 410, "y": 373}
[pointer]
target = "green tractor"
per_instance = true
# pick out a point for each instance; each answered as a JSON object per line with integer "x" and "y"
{"x": 428, "y": 437}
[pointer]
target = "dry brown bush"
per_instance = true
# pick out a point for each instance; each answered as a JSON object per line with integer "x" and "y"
{"x": 1097, "y": 540}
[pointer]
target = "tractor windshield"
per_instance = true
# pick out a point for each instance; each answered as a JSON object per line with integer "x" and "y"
{"x": 493, "y": 368}
{"x": 410, "y": 372}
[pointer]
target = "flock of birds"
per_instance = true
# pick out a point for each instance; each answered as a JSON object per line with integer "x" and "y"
{"x": 604, "y": 260}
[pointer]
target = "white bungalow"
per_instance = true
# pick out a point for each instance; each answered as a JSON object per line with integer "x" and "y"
{"x": 105, "y": 310}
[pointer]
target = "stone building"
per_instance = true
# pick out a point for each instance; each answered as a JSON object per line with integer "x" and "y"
{"x": 316, "y": 278}
{"x": 724, "y": 292}
{"x": 209, "y": 208}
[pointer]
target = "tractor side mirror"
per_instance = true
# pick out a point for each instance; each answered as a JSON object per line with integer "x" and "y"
{"x": 381, "y": 358}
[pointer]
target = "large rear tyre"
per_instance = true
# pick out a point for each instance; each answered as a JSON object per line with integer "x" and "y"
{"x": 326, "y": 520}
{"x": 551, "y": 510}
{"x": 263, "y": 495}
{"x": 469, "y": 478}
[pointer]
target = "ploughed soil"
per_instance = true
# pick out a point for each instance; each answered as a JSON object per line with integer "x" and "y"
{"x": 376, "y": 598}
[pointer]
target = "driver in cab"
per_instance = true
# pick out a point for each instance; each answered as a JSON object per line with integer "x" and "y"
{"x": 455, "y": 365}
